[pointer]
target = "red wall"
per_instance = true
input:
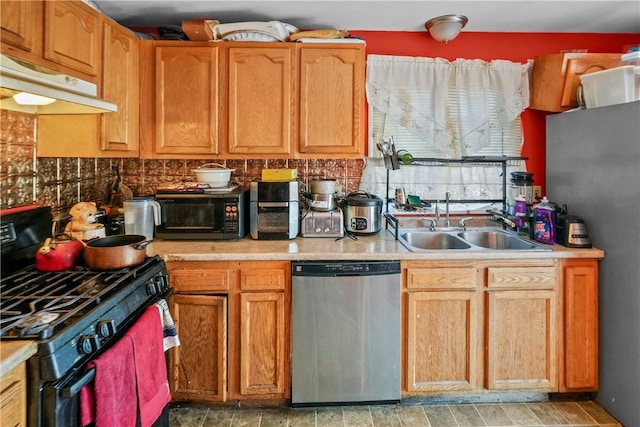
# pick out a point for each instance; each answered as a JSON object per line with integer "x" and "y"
{"x": 517, "y": 47}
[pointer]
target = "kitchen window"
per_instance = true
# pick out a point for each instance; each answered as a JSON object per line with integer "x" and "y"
{"x": 434, "y": 108}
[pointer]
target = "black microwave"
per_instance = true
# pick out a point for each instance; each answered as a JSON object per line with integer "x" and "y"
{"x": 204, "y": 215}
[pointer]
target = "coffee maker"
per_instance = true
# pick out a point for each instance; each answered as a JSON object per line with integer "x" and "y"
{"x": 274, "y": 210}
{"x": 323, "y": 218}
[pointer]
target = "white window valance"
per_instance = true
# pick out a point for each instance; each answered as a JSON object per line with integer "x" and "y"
{"x": 457, "y": 107}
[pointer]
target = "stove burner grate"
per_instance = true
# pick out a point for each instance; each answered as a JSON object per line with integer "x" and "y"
{"x": 30, "y": 297}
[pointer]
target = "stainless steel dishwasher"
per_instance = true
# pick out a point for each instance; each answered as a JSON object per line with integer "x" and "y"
{"x": 345, "y": 325}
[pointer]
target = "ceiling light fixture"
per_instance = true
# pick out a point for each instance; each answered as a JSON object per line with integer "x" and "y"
{"x": 446, "y": 27}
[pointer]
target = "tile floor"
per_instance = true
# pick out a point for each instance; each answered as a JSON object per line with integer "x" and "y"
{"x": 573, "y": 413}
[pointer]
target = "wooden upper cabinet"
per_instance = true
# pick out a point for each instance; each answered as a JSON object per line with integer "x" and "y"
{"x": 186, "y": 100}
{"x": 73, "y": 36}
{"x": 21, "y": 24}
{"x": 120, "y": 85}
{"x": 556, "y": 77}
{"x": 331, "y": 104}
{"x": 260, "y": 100}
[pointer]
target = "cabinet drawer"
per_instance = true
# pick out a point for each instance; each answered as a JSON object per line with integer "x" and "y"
{"x": 521, "y": 277}
{"x": 441, "y": 277}
{"x": 206, "y": 280}
{"x": 263, "y": 278}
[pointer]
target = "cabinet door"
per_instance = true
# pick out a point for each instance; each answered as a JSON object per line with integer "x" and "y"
{"x": 186, "y": 100}
{"x": 73, "y": 36}
{"x": 332, "y": 100}
{"x": 199, "y": 364}
{"x": 580, "y": 358}
{"x": 260, "y": 100}
{"x": 521, "y": 340}
{"x": 262, "y": 343}
{"x": 21, "y": 28}
{"x": 120, "y": 85}
{"x": 441, "y": 341}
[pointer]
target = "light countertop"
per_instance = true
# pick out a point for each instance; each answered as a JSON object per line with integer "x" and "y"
{"x": 380, "y": 246}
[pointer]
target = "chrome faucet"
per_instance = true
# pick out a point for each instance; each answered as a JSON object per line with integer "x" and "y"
{"x": 432, "y": 223}
{"x": 447, "y": 223}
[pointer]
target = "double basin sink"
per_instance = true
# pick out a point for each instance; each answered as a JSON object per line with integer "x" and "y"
{"x": 481, "y": 239}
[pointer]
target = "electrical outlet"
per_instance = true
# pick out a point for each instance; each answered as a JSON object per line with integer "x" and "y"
{"x": 537, "y": 192}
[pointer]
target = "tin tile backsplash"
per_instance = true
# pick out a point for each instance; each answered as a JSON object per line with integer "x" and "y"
{"x": 26, "y": 178}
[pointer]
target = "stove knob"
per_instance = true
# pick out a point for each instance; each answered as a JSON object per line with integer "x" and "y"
{"x": 89, "y": 344}
{"x": 327, "y": 229}
{"x": 106, "y": 328}
{"x": 153, "y": 287}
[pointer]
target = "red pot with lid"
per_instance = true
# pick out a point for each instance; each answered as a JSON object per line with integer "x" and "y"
{"x": 59, "y": 254}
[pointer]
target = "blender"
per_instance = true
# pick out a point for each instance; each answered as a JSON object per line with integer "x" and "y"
{"x": 521, "y": 184}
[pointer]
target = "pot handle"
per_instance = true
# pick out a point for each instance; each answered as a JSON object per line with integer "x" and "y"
{"x": 213, "y": 164}
{"x": 142, "y": 245}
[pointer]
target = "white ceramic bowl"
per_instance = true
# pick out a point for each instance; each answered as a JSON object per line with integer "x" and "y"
{"x": 216, "y": 177}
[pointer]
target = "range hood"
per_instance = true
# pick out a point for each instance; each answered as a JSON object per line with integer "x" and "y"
{"x": 70, "y": 94}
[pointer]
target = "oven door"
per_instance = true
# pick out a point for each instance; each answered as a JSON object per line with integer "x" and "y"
{"x": 57, "y": 403}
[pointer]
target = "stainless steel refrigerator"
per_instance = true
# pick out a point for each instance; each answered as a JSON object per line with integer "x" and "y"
{"x": 593, "y": 165}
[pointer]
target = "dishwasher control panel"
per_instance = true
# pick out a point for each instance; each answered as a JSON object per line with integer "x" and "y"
{"x": 345, "y": 268}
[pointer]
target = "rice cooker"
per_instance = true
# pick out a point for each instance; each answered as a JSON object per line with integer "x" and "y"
{"x": 362, "y": 213}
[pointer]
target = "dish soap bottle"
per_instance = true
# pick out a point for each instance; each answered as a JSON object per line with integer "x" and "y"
{"x": 544, "y": 222}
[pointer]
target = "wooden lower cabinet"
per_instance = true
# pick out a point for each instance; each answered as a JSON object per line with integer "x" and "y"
{"x": 232, "y": 320}
{"x": 442, "y": 313}
{"x": 199, "y": 364}
{"x": 579, "y": 356}
{"x": 473, "y": 326}
{"x": 441, "y": 341}
{"x": 262, "y": 343}
{"x": 521, "y": 340}
{"x": 13, "y": 397}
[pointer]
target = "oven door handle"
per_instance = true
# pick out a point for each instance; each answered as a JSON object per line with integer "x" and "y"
{"x": 75, "y": 388}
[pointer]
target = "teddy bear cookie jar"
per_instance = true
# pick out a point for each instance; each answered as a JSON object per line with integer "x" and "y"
{"x": 83, "y": 224}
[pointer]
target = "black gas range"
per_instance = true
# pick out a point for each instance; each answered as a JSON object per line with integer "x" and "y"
{"x": 74, "y": 316}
